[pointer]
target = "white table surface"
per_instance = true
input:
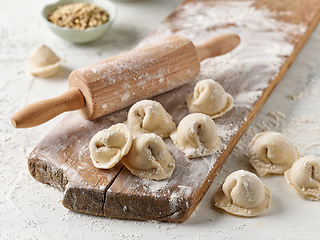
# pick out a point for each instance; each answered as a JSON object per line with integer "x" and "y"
{"x": 31, "y": 210}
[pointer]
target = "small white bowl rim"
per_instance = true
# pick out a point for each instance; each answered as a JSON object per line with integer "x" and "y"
{"x": 110, "y": 21}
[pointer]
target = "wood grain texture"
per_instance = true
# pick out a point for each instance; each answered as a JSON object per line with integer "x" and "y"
{"x": 42, "y": 111}
{"x": 112, "y": 84}
{"x": 62, "y": 160}
{"x": 118, "y": 82}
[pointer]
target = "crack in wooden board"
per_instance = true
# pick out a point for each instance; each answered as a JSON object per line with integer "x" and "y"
{"x": 62, "y": 159}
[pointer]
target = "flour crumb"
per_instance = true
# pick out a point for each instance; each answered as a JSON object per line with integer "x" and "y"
{"x": 297, "y": 96}
{"x": 276, "y": 115}
{"x": 240, "y": 226}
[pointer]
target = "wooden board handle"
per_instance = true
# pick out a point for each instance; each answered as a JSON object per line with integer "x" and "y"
{"x": 42, "y": 111}
{"x": 217, "y": 46}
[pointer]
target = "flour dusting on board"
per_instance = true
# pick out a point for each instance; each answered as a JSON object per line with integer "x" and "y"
{"x": 250, "y": 67}
{"x": 247, "y": 98}
{"x": 152, "y": 185}
{"x": 265, "y": 46}
{"x": 263, "y": 49}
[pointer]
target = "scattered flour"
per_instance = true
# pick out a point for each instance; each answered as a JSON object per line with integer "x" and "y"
{"x": 240, "y": 226}
{"x": 153, "y": 185}
{"x": 15, "y": 202}
{"x": 246, "y": 99}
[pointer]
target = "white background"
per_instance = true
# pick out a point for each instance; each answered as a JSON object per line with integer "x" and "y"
{"x": 31, "y": 210}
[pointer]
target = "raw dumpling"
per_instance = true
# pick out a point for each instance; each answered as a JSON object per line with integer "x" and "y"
{"x": 243, "y": 194}
{"x": 209, "y": 98}
{"x": 108, "y": 146}
{"x": 149, "y": 158}
{"x": 148, "y": 116}
{"x": 272, "y": 152}
{"x": 43, "y": 62}
{"x": 304, "y": 177}
{"x": 196, "y": 136}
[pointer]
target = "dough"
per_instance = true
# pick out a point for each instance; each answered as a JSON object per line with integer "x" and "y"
{"x": 209, "y": 98}
{"x": 196, "y": 136}
{"x": 149, "y": 158}
{"x": 148, "y": 116}
{"x": 243, "y": 194}
{"x": 272, "y": 153}
{"x": 43, "y": 62}
{"x": 304, "y": 177}
{"x": 108, "y": 146}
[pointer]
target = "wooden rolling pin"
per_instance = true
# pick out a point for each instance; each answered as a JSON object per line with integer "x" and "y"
{"x": 118, "y": 82}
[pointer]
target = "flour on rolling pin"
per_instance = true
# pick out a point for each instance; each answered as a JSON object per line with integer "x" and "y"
{"x": 137, "y": 74}
{"x": 115, "y": 83}
{"x": 265, "y": 40}
{"x": 270, "y": 40}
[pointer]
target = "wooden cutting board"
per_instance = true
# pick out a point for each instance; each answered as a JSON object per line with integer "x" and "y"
{"x": 272, "y": 34}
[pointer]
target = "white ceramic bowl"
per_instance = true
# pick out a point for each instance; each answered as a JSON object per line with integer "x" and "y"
{"x": 81, "y": 36}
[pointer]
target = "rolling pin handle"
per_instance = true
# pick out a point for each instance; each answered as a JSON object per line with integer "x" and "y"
{"x": 217, "y": 46}
{"x": 42, "y": 111}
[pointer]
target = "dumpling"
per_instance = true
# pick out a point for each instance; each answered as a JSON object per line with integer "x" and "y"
{"x": 108, "y": 146}
{"x": 149, "y": 158}
{"x": 243, "y": 194}
{"x": 43, "y": 62}
{"x": 304, "y": 177}
{"x": 196, "y": 135}
{"x": 209, "y": 98}
{"x": 272, "y": 153}
{"x": 149, "y": 116}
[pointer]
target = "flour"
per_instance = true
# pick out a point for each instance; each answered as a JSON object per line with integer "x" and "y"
{"x": 152, "y": 185}
{"x": 126, "y": 96}
{"x": 240, "y": 226}
{"x": 226, "y": 132}
{"x": 34, "y": 202}
{"x": 246, "y": 99}
{"x": 262, "y": 51}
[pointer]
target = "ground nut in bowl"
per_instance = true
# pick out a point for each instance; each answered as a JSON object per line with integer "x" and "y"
{"x": 87, "y": 34}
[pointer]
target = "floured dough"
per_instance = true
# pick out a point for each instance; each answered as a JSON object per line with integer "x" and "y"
{"x": 149, "y": 158}
{"x": 108, "y": 146}
{"x": 149, "y": 116}
{"x": 272, "y": 153}
{"x": 196, "y": 136}
{"x": 243, "y": 194}
{"x": 304, "y": 177}
{"x": 43, "y": 62}
{"x": 209, "y": 98}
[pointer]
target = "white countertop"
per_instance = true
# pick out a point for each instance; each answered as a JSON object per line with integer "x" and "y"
{"x": 31, "y": 210}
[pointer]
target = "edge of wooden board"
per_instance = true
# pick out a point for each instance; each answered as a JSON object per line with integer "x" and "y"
{"x": 183, "y": 212}
{"x": 124, "y": 205}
